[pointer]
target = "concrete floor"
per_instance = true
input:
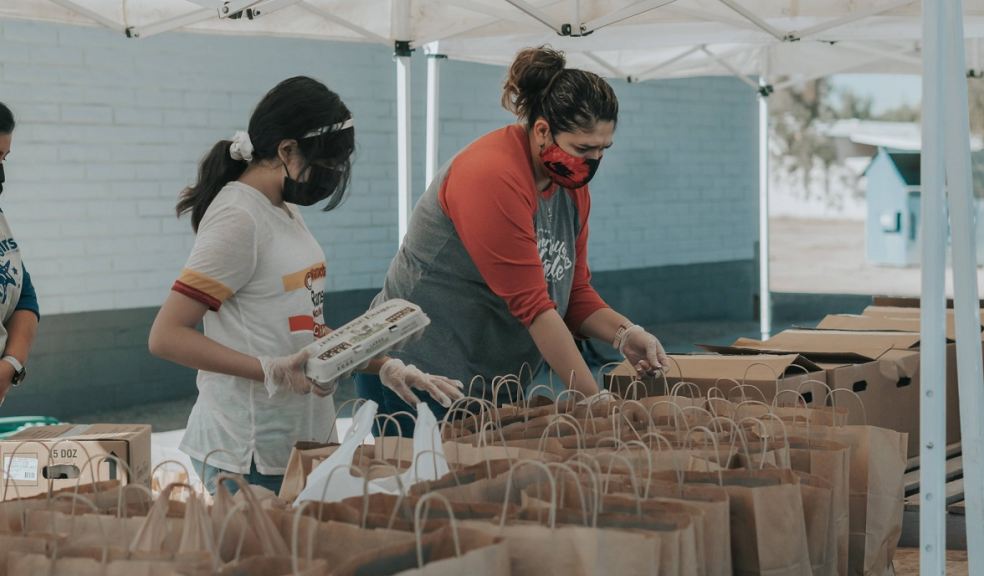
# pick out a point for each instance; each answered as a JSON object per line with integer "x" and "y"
{"x": 907, "y": 562}
{"x": 828, "y": 256}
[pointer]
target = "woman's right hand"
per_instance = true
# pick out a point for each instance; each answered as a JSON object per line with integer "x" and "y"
{"x": 401, "y": 379}
{"x": 287, "y": 373}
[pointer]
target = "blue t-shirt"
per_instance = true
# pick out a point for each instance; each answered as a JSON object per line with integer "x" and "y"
{"x": 28, "y": 297}
{"x": 16, "y": 290}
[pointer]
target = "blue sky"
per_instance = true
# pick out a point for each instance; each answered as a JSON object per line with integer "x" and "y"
{"x": 886, "y": 90}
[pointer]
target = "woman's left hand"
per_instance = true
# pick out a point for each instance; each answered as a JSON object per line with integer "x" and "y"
{"x": 644, "y": 351}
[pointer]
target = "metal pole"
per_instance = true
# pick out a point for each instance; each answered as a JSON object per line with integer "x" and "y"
{"x": 966, "y": 304}
{"x": 932, "y": 370}
{"x": 403, "y": 166}
{"x": 400, "y": 25}
{"x": 434, "y": 59}
{"x": 765, "y": 294}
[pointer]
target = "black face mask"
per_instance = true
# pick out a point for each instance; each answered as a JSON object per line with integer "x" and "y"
{"x": 2, "y": 178}
{"x": 320, "y": 184}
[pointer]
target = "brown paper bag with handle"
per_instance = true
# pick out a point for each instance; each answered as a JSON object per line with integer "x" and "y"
{"x": 714, "y": 503}
{"x": 772, "y": 445}
{"x": 195, "y": 529}
{"x": 830, "y": 461}
{"x": 334, "y": 542}
{"x": 877, "y": 490}
{"x": 535, "y": 549}
{"x": 20, "y": 564}
{"x": 451, "y": 550}
{"x": 264, "y": 566}
{"x": 768, "y": 527}
{"x": 677, "y": 527}
{"x": 243, "y": 529}
{"x": 817, "y": 512}
{"x": 11, "y": 544}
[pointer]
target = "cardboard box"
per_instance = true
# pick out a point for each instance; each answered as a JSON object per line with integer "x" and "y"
{"x": 907, "y": 302}
{"x": 888, "y": 388}
{"x": 66, "y": 455}
{"x": 825, "y": 345}
{"x": 878, "y": 323}
{"x": 896, "y": 316}
{"x": 710, "y": 370}
{"x": 881, "y": 367}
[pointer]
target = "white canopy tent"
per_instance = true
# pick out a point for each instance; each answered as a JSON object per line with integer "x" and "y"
{"x": 887, "y": 37}
{"x": 645, "y": 39}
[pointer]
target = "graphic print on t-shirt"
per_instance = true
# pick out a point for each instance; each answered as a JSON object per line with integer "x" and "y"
{"x": 557, "y": 262}
{"x": 310, "y": 279}
{"x": 8, "y": 278}
{"x": 9, "y": 273}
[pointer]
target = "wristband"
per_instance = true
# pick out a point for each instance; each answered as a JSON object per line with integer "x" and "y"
{"x": 622, "y": 336}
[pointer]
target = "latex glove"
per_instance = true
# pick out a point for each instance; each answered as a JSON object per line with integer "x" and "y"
{"x": 601, "y": 397}
{"x": 643, "y": 351}
{"x": 403, "y": 379}
{"x": 287, "y": 373}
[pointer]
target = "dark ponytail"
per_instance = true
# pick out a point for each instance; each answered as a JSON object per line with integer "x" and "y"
{"x": 216, "y": 170}
{"x": 6, "y": 119}
{"x": 570, "y": 100}
{"x": 292, "y": 110}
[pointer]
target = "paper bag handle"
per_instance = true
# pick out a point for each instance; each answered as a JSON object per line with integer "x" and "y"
{"x": 418, "y": 530}
{"x": 660, "y": 437}
{"x": 676, "y": 415}
{"x": 681, "y": 385}
{"x": 560, "y": 466}
{"x": 776, "y": 376}
{"x": 499, "y": 381}
{"x": 102, "y": 529}
{"x": 649, "y": 460}
{"x": 864, "y": 412}
{"x": 552, "y": 518}
{"x": 555, "y": 423}
{"x": 714, "y": 442}
{"x": 594, "y": 482}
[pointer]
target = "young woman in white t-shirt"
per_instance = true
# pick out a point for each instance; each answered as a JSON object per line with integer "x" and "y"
{"x": 255, "y": 278}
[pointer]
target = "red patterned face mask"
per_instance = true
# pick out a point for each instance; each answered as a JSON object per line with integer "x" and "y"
{"x": 567, "y": 170}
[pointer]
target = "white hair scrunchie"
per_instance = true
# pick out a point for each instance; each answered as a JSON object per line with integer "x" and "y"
{"x": 242, "y": 147}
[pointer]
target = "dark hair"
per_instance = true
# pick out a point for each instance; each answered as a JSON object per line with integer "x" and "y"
{"x": 289, "y": 111}
{"x": 569, "y": 100}
{"x": 6, "y": 119}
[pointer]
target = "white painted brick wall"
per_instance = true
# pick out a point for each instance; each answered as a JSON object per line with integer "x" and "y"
{"x": 110, "y": 130}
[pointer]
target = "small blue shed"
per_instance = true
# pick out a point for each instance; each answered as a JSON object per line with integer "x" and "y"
{"x": 893, "y": 197}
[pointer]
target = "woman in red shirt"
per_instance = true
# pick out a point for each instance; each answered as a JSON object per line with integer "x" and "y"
{"x": 496, "y": 252}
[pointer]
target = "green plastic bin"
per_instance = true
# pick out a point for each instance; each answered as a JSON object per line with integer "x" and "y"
{"x": 14, "y": 424}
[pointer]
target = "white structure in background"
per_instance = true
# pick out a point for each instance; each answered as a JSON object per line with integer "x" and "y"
{"x": 840, "y": 192}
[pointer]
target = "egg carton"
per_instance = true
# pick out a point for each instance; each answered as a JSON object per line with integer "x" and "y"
{"x": 355, "y": 344}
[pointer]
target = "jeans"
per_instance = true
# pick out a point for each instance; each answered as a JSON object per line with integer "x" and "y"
{"x": 370, "y": 387}
{"x": 255, "y": 478}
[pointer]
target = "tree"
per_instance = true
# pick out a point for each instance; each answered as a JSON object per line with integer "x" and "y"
{"x": 797, "y": 115}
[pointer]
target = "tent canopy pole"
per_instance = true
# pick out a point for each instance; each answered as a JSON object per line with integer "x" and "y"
{"x": 932, "y": 368}
{"x": 434, "y": 60}
{"x": 765, "y": 289}
{"x": 964, "y": 251}
{"x": 400, "y": 14}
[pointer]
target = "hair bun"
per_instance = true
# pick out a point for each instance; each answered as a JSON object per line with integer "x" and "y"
{"x": 529, "y": 76}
